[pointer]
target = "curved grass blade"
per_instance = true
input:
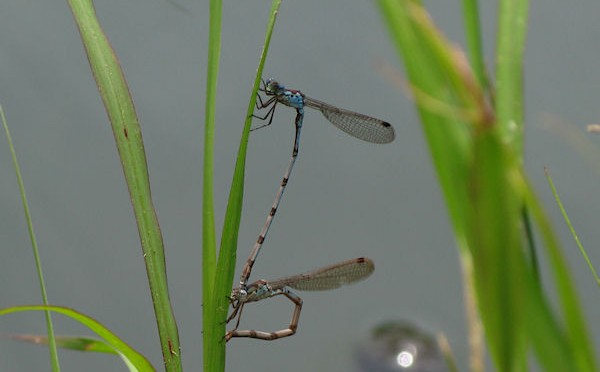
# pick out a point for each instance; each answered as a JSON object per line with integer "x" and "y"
{"x": 133, "y": 357}
{"x": 127, "y": 132}
{"x": 68, "y": 342}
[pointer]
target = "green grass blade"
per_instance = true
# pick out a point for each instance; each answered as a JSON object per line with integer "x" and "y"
{"x": 447, "y": 97}
{"x": 134, "y": 357}
{"x": 512, "y": 33}
{"x": 570, "y": 226}
{"x": 576, "y": 334}
{"x": 77, "y": 343}
{"x": 446, "y": 105}
{"x": 546, "y": 334}
{"x": 573, "y": 342}
{"x": 215, "y": 327}
{"x": 128, "y": 136}
{"x": 209, "y": 246}
{"x": 474, "y": 43}
{"x": 478, "y": 160}
{"x": 209, "y": 250}
{"x": 84, "y": 344}
{"x": 500, "y": 266}
{"x": 36, "y": 253}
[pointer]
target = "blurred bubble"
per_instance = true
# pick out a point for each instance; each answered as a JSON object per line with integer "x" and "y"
{"x": 399, "y": 346}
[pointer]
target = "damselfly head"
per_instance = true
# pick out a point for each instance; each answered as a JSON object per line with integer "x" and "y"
{"x": 272, "y": 86}
{"x": 237, "y": 293}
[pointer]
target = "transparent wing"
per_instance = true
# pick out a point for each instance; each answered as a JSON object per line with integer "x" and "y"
{"x": 357, "y": 125}
{"x": 329, "y": 277}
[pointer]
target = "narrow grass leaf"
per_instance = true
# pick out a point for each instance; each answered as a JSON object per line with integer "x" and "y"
{"x": 133, "y": 357}
{"x": 36, "y": 253}
{"x": 69, "y": 342}
{"x": 510, "y": 49}
{"x": 576, "y": 330}
{"x": 570, "y": 226}
{"x": 212, "y": 351}
{"x": 215, "y": 329}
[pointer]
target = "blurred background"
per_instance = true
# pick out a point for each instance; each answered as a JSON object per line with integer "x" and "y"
{"x": 346, "y": 198}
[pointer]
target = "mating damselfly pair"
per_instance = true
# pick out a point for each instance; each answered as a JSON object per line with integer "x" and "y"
{"x": 358, "y": 125}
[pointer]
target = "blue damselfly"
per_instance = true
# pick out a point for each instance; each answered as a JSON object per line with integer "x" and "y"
{"x": 358, "y": 125}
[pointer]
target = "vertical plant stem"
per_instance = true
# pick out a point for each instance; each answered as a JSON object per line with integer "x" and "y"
{"x": 209, "y": 249}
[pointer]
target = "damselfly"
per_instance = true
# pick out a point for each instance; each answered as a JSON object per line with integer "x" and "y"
{"x": 358, "y": 125}
{"x": 325, "y": 278}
